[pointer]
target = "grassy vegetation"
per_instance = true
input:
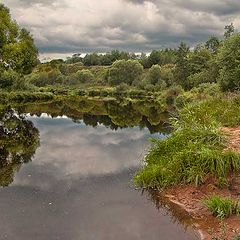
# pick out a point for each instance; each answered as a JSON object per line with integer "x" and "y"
{"x": 6, "y": 97}
{"x": 222, "y": 207}
{"x": 195, "y": 149}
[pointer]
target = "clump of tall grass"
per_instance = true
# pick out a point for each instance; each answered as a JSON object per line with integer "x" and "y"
{"x": 195, "y": 149}
{"x": 222, "y": 207}
{"x": 187, "y": 156}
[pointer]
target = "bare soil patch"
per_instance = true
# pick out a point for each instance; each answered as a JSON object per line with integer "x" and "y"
{"x": 190, "y": 198}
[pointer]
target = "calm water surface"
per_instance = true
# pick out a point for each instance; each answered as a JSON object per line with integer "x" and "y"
{"x": 78, "y": 186}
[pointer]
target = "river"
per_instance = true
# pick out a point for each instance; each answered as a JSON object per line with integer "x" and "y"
{"x": 68, "y": 176}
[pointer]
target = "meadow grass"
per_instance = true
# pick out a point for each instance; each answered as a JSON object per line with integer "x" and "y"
{"x": 196, "y": 149}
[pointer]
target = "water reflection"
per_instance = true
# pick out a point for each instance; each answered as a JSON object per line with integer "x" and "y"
{"x": 176, "y": 213}
{"x": 78, "y": 184}
{"x": 19, "y": 140}
{"x": 112, "y": 114}
{"x": 77, "y": 150}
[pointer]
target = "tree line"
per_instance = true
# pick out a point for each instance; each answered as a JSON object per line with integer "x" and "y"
{"x": 215, "y": 61}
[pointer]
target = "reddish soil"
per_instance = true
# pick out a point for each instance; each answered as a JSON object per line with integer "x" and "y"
{"x": 190, "y": 199}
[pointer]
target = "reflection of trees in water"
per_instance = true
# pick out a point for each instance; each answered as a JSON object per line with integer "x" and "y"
{"x": 112, "y": 114}
{"x": 162, "y": 127}
{"x": 175, "y": 212}
{"x": 123, "y": 115}
{"x": 94, "y": 120}
{"x": 19, "y": 140}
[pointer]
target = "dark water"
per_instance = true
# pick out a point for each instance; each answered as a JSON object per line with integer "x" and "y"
{"x": 64, "y": 180}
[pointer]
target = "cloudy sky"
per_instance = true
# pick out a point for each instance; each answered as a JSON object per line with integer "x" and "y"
{"x": 70, "y": 26}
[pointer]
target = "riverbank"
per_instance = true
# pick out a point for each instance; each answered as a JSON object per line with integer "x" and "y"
{"x": 190, "y": 198}
{"x": 200, "y": 159}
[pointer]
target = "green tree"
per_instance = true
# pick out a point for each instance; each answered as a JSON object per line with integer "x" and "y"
{"x": 182, "y": 69}
{"x": 115, "y": 55}
{"x": 154, "y": 74}
{"x": 106, "y": 60}
{"x": 17, "y": 49}
{"x": 212, "y": 44}
{"x": 154, "y": 58}
{"x": 91, "y": 59}
{"x": 143, "y": 59}
{"x": 74, "y": 59}
{"x": 198, "y": 59}
{"x": 167, "y": 56}
{"x": 167, "y": 74}
{"x": 123, "y": 71}
{"x": 229, "y": 63}
{"x": 229, "y": 30}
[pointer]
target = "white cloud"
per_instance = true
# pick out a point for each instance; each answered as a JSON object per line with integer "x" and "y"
{"x": 133, "y": 25}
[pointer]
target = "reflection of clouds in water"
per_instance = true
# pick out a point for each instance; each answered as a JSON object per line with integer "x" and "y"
{"x": 79, "y": 182}
{"x": 75, "y": 150}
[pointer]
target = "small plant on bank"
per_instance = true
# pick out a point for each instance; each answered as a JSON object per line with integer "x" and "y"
{"x": 222, "y": 207}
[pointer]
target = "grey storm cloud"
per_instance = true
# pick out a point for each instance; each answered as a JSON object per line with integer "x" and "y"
{"x": 68, "y": 26}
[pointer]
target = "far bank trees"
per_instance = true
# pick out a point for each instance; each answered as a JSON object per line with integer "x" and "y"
{"x": 123, "y": 71}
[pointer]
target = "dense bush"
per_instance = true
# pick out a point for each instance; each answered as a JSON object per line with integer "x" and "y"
{"x": 41, "y": 79}
{"x": 84, "y": 76}
{"x": 7, "y": 78}
{"x": 123, "y": 71}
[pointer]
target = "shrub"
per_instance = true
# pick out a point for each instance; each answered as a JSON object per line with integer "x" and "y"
{"x": 41, "y": 79}
{"x": 122, "y": 87}
{"x": 104, "y": 93}
{"x": 83, "y": 76}
{"x": 7, "y": 78}
{"x": 38, "y": 79}
{"x": 123, "y": 71}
